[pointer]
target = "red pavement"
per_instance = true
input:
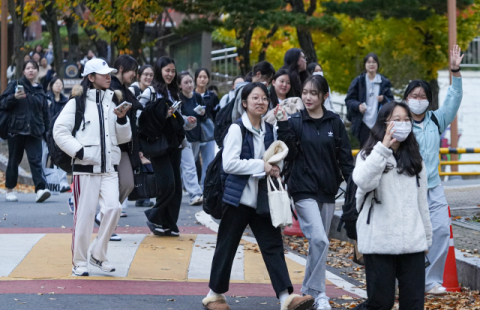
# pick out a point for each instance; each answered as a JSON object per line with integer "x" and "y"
{"x": 130, "y": 287}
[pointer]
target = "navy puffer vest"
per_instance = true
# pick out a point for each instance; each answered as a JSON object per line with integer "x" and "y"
{"x": 235, "y": 184}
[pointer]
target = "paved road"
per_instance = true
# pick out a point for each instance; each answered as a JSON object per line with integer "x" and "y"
{"x": 165, "y": 273}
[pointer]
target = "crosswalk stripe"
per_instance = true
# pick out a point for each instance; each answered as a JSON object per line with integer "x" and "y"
{"x": 14, "y": 249}
{"x": 202, "y": 256}
{"x": 121, "y": 255}
{"x": 50, "y": 257}
{"x": 163, "y": 258}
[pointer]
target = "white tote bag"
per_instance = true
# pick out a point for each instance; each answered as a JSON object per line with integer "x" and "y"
{"x": 279, "y": 204}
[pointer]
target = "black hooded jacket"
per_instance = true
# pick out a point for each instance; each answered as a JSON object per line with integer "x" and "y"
{"x": 131, "y": 147}
{"x": 55, "y": 106}
{"x": 319, "y": 153}
{"x": 28, "y": 116}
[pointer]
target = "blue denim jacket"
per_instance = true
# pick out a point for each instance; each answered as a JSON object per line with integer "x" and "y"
{"x": 428, "y": 137}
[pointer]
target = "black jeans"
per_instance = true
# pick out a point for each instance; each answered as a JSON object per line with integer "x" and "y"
{"x": 269, "y": 238}
{"x": 381, "y": 272}
{"x": 17, "y": 145}
{"x": 169, "y": 187}
{"x": 363, "y": 134}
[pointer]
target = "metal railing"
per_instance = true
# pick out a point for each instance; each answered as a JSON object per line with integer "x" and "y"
{"x": 224, "y": 65}
{"x": 445, "y": 150}
{"x": 472, "y": 54}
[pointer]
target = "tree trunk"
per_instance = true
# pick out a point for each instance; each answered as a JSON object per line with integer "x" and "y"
{"x": 266, "y": 43}
{"x": 244, "y": 51}
{"x": 303, "y": 33}
{"x": 18, "y": 29}
{"x": 136, "y": 36}
{"x": 435, "y": 90}
{"x": 101, "y": 45}
{"x": 50, "y": 18}
{"x": 113, "y": 52}
{"x": 306, "y": 43}
{"x": 72, "y": 30}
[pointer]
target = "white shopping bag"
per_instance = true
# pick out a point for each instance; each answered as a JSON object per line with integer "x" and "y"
{"x": 279, "y": 204}
{"x": 53, "y": 175}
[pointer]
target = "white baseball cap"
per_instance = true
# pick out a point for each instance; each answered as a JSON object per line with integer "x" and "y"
{"x": 97, "y": 65}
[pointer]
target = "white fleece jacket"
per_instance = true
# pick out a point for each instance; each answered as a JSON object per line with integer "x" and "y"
{"x": 400, "y": 224}
{"x": 232, "y": 164}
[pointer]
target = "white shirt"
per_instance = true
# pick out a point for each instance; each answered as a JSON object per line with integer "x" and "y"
{"x": 373, "y": 90}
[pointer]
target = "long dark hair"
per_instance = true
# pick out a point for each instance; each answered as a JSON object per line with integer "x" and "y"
{"x": 419, "y": 83}
{"x": 264, "y": 67}
{"x": 159, "y": 83}
{"x": 127, "y": 63}
{"x": 55, "y": 79}
{"x": 197, "y": 73}
{"x": 297, "y": 78}
{"x": 408, "y": 156}
{"x": 273, "y": 93}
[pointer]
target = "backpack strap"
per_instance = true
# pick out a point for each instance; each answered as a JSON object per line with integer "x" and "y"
{"x": 79, "y": 115}
{"x": 435, "y": 121}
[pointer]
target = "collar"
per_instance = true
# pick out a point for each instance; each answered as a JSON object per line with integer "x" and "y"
{"x": 248, "y": 125}
{"x": 102, "y": 95}
{"x": 376, "y": 80}
{"x": 326, "y": 115}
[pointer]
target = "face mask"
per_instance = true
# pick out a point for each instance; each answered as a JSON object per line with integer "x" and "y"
{"x": 418, "y": 106}
{"x": 318, "y": 73}
{"x": 403, "y": 129}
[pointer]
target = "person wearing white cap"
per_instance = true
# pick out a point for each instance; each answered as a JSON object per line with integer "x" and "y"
{"x": 95, "y": 155}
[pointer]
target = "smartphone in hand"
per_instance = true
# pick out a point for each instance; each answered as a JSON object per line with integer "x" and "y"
{"x": 122, "y": 106}
{"x": 19, "y": 88}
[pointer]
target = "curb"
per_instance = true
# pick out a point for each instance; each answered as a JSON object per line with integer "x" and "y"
{"x": 468, "y": 266}
{"x": 23, "y": 176}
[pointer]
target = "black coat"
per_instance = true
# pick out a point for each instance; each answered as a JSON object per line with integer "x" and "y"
{"x": 357, "y": 94}
{"x": 131, "y": 147}
{"x": 29, "y": 115}
{"x": 317, "y": 157}
{"x": 211, "y": 101}
{"x": 55, "y": 106}
{"x": 153, "y": 123}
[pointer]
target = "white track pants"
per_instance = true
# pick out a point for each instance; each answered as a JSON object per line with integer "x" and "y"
{"x": 89, "y": 190}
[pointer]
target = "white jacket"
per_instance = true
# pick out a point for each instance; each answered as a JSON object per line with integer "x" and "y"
{"x": 400, "y": 224}
{"x": 90, "y": 138}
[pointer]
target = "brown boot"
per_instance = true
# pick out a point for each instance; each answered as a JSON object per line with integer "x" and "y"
{"x": 297, "y": 302}
{"x": 215, "y": 303}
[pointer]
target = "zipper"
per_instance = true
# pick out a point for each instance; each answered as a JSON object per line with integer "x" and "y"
{"x": 102, "y": 132}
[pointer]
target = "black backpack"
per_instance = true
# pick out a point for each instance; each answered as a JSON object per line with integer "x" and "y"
{"x": 214, "y": 186}
{"x": 60, "y": 158}
{"x": 223, "y": 120}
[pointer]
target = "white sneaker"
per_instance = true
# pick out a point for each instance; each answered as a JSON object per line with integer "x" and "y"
{"x": 80, "y": 271}
{"x": 196, "y": 201}
{"x": 322, "y": 302}
{"x": 42, "y": 195}
{"x": 438, "y": 290}
{"x": 11, "y": 197}
{"x": 105, "y": 265}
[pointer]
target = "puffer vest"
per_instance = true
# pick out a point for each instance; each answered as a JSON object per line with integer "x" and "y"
{"x": 235, "y": 184}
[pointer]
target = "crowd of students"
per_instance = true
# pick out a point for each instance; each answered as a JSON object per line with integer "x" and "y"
{"x": 403, "y": 215}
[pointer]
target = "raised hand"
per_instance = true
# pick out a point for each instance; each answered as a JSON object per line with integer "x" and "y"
{"x": 387, "y": 140}
{"x": 455, "y": 58}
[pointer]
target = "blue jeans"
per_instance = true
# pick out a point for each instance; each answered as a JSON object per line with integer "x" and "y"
{"x": 208, "y": 154}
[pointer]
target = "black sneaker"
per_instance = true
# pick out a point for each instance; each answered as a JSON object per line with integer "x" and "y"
{"x": 158, "y": 230}
{"x": 97, "y": 221}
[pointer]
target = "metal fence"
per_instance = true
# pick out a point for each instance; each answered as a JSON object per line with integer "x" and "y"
{"x": 472, "y": 54}
{"x": 224, "y": 67}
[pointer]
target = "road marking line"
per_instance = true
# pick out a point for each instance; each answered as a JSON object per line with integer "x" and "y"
{"x": 207, "y": 221}
{"x": 202, "y": 256}
{"x": 120, "y": 254}
{"x": 15, "y": 248}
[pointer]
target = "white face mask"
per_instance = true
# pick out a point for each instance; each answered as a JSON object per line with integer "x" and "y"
{"x": 403, "y": 129}
{"x": 318, "y": 73}
{"x": 418, "y": 106}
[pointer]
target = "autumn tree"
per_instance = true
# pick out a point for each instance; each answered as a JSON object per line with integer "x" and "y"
{"x": 417, "y": 26}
